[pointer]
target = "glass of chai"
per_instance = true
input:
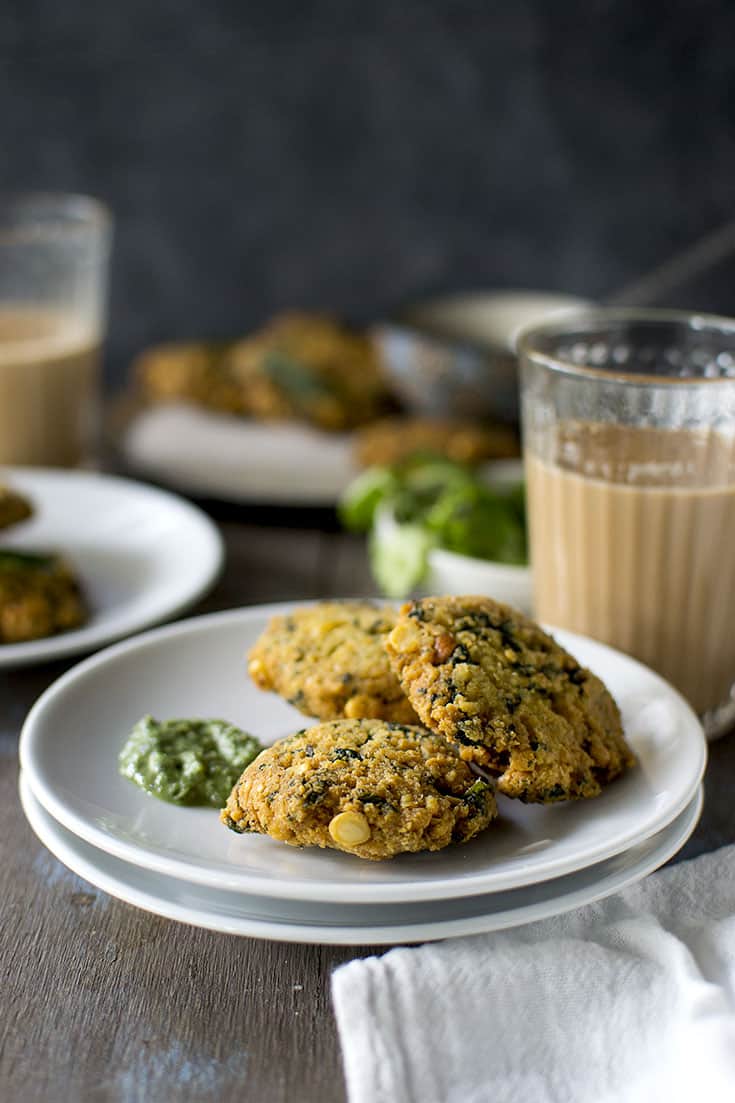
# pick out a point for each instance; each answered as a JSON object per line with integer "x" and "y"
{"x": 629, "y": 447}
{"x": 54, "y": 259}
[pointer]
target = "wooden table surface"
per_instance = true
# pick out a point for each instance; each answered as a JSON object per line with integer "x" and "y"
{"x": 103, "y": 1002}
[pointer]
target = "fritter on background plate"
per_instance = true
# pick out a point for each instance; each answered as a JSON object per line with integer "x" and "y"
{"x": 190, "y": 371}
{"x": 394, "y": 439}
{"x": 39, "y": 596}
{"x": 14, "y": 508}
{"x": 310, "y": 368}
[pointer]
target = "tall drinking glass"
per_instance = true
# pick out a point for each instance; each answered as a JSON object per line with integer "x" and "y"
{"x": 629, "y": 448}
{"x": 54, "y": 254}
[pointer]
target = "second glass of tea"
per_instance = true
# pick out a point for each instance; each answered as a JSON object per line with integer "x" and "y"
{"x": 54, "y": 253}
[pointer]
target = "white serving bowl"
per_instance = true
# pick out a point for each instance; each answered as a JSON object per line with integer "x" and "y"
{"x": 451, "y": 573}
{"x": 454, "y": 356}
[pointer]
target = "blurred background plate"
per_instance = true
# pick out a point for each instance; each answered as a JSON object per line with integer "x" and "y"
{"x": 213, "y": 455}
{"x": 141, "y": 554}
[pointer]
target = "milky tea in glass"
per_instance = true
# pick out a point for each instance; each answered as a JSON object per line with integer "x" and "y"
{"x": 54, "y": 253}
{"x": 629, "y": 451}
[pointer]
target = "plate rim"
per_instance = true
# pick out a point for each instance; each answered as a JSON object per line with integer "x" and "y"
{"x": 69, "y": 644}
{"x": 295, "y": 888}
{"x": 350, "y": 935}
{"x": 124, "y": 415}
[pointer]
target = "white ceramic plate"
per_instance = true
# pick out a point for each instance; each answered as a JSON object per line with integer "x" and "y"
{"x": 72, "y": 736}
{"x": 142, "y": 554}
{"x": 213, "y": 455}
{"x": 261, "y": 917}
{"x": 451, "y": 573}
{"x": 493, "y": 318}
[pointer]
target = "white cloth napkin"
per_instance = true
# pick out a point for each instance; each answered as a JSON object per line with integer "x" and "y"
{"x": 631, "y": 1000}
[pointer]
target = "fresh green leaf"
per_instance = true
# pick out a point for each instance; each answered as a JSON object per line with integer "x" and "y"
{"x": 363, "y": 496}
{"x": 19, "y": 560}
{"x": 481, "y": 521}
{"x": 399, "y": 556}
{"x": 427, "y": 502}
{"x": 302, "y": 385}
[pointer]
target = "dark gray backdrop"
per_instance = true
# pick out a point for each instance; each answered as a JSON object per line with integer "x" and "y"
{"x": 352, "y": 155}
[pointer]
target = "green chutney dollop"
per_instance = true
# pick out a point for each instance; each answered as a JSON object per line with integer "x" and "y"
{"x": 187, "y": 761}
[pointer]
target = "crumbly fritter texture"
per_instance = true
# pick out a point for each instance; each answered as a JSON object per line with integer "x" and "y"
{"x": 328, "y": 660}
{"x": 39, "y": 596}
{"x": 393, "y": 787}
{"x": 519, "y": 705}
{"x": 13, "y": 508}
{"x": 394, "y": 439}
{"x": 310, "y": 368}
{"x": 195, "y": 372}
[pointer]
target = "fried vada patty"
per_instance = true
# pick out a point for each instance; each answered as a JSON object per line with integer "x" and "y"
{"x": 394, "y": 439}
{"x": 328, "y": 660}
{"x": 13, "y": 507}
{"x": 190, "y": 371}
{"x": 310, "y": 368}
{"x": 520, "y": 706}
{"x": 39, "y": 596}
{"x": 367, "y": 787}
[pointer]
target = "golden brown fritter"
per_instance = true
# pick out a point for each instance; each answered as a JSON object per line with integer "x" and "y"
{"x": 39, "y": 596}
{"x": 13, "y": 507}
{"x": 394, "y": 439}
{"x": 193, "y": 371}
{"x": 328, "y": 660}
{"x": 363, "y": 786}
{"x": 520, "y": 706}
{"x": 312, "y": 369}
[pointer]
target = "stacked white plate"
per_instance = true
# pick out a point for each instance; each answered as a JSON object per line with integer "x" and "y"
{"x": 535, "y": 861}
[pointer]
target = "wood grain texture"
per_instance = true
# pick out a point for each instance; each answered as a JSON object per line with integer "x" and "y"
{"x": 102, "y": 1002}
